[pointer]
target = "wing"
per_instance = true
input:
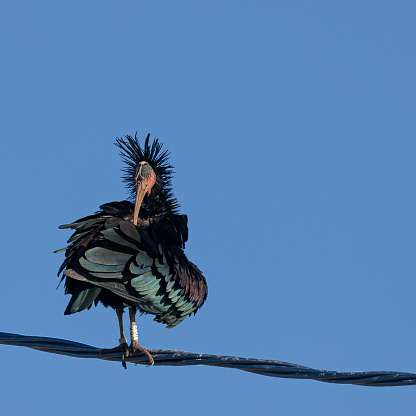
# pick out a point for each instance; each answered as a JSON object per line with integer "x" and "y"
{"x": 144, "y": 266}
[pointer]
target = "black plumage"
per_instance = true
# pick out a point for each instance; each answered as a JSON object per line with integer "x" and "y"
{"x": 131, "y": 254}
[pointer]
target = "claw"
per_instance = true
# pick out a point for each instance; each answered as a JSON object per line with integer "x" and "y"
{"x": 124, "y": 348}
{"x": 135, "y": 348}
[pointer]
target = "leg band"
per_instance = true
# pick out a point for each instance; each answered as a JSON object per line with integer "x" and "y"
{"x": 134, "y": 335}
{"x": 122, "y": 341}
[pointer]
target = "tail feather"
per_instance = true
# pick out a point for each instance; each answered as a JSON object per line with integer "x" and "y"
{"x": 82, "y": 297}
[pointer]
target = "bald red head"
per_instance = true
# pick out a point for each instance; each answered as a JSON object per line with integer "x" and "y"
{"x": 145, "y": 179}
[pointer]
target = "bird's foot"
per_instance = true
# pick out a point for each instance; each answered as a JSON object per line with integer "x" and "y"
{"x": 123, "y": 347}
{"x": 135, "y": 348}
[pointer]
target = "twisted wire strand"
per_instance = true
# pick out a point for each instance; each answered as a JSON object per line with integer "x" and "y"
{"x": 180, "y": 358}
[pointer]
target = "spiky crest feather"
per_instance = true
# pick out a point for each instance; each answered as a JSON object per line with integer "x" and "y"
{"x": 161, "y": 200}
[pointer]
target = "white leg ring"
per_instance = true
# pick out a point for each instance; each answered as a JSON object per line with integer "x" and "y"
{"x": 134, "y": 334}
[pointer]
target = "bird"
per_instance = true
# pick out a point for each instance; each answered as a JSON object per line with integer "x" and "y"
{"x": 130, "y": 254}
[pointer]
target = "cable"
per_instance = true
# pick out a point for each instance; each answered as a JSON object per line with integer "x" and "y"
{"x": 181, "y": 358}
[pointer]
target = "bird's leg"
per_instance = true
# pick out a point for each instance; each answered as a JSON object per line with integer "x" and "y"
{"x": 134, "y": 346}
{"x": 123, "y": 340}
{"x": 123, "y": 345}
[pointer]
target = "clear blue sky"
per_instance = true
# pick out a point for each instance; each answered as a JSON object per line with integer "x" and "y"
{"x": 310, "y": 260}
